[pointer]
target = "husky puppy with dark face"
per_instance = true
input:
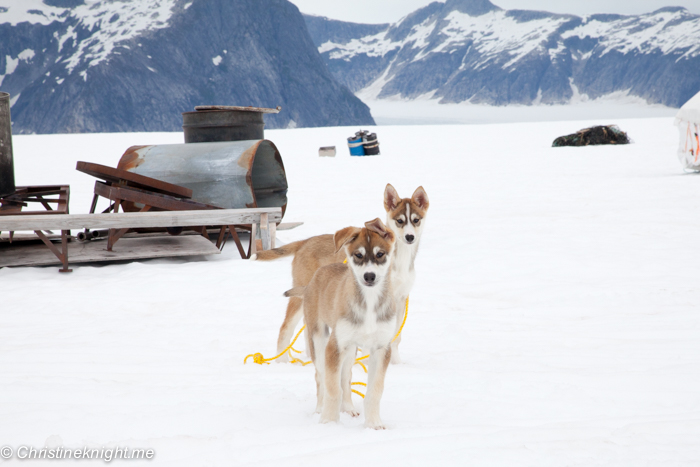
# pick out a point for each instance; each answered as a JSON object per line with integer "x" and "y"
{"x": 405, "y": 217}
{"x": 347, "y": 306}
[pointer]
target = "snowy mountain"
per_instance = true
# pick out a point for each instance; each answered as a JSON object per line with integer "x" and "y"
{"x": 118, "y": 65}
{"x": 472, "y": 50}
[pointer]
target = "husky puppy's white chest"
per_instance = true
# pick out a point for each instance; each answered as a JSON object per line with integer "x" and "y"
{"x": 402, "y": 269}
{"x": 370, "y": 323}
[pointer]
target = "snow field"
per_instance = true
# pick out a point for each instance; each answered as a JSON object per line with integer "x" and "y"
{"x": 554, "y": 320}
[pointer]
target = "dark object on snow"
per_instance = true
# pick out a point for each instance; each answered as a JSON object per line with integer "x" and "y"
{"x": 7, "y": 171}
{"x": 210, "y": 123}
{"x": 363, "y": 143}
{"x": 604, "y": 134}
{"x": 372, "y": 145}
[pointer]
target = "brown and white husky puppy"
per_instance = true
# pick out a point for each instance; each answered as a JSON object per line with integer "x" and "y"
{"x": 405, "y": 217}
{"x": 348, "y": 306}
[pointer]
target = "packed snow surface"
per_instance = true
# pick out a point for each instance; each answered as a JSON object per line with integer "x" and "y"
{"x": 428, "y": 110}
{"x": 554, "y": 320}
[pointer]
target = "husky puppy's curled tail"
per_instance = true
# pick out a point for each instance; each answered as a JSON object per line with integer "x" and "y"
{"x": 295, "y": 292}
{"x": 286, "y": 250}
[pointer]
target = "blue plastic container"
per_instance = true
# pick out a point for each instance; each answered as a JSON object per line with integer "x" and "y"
{"x": 356, "y": 146}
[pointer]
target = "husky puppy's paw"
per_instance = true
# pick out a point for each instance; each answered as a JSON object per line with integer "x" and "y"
{"x": 350, "y": 410}
{"x": 324, "y": 419}
{"x": 283, "y": 359}
{"x": 329, "y": 414}
{"x": 375, "y": 424}
{"x": 253, "y": 257}
{"x": 395, "y": 358}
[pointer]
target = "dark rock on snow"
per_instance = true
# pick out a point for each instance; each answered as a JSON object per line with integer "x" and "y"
{"x": 604, "y": 134}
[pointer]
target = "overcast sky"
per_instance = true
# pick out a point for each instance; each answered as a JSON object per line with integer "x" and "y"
{"x": 389, "y": 11}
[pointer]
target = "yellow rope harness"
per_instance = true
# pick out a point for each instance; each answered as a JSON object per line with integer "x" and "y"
{"x": 259, "y": 359}
{"x": 358, "y": 392}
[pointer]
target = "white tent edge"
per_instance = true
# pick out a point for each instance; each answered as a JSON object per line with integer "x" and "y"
{"x": 688, "y": 123}
{"x": 690, "y": 111}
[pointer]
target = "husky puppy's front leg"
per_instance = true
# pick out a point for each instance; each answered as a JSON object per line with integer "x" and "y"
{"x": 347, "y": 406}
{"x": 332, "y": 392}
{"x": 378, "y": 363}
{"x": 291, "y": 319}
{"x": 400, "y": 313}
{"x": 317, "y": 344}
{"x": 335, "y": 358}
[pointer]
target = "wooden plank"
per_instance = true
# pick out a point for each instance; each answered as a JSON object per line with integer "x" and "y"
{"x": 273, "y": 234}
{"x": 25, "y": 237}
{"x": 58, "y": 253}
{"x": 5, "y": 236}
{"x": 113, "y": 175}
{"x": 253, "y": 247}
{"x": 165, "y": 202}
{"x": 237, "y": 241}
{"x": 265, "y": 231}
{"x": 289, "y": 225}
{"x": 138, "y": 219}
{"x": 263, "y": 110}
{"x": 96, "y": 251}
{"x": 25, "y": 195}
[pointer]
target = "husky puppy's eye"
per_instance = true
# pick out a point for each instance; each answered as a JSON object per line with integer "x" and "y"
{"x": 358, "y": 255}
{"x": 380, "y": 254}
{"x": 399, "y": 221}
{"x": 416, "y": 220}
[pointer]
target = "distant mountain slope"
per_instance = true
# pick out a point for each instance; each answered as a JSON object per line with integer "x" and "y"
{"x": 472, "y": 50}
{"x": 323, "y": 29}
{"x": 113, "y": 65}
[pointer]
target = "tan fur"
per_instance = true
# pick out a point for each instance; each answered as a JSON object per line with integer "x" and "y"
{"x": 357, "y": 314}
{"x": 315, "y": 252}
{"x": 309, "y": 255}
{"x": 281, "y": 252}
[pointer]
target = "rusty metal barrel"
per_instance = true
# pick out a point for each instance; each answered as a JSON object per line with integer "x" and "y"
{"x": 7, "y": 169}
{"x": 230, "y": 175}
{"x": 210, "y": 123}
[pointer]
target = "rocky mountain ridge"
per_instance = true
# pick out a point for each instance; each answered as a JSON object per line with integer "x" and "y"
{"x": 115, "y": 65}
{"x": 472, "y": 50}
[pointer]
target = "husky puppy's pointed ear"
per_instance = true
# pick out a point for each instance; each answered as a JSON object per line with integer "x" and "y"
{"x": 343, "y": 236}
{"x": 391, "y": 198}
{"x": 420, "y": 197}
{"x": 377, "y": 226}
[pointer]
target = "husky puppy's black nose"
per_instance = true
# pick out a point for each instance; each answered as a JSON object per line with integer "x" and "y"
{"x": 370, "y": 277}
{"x": 410, "y": 238}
